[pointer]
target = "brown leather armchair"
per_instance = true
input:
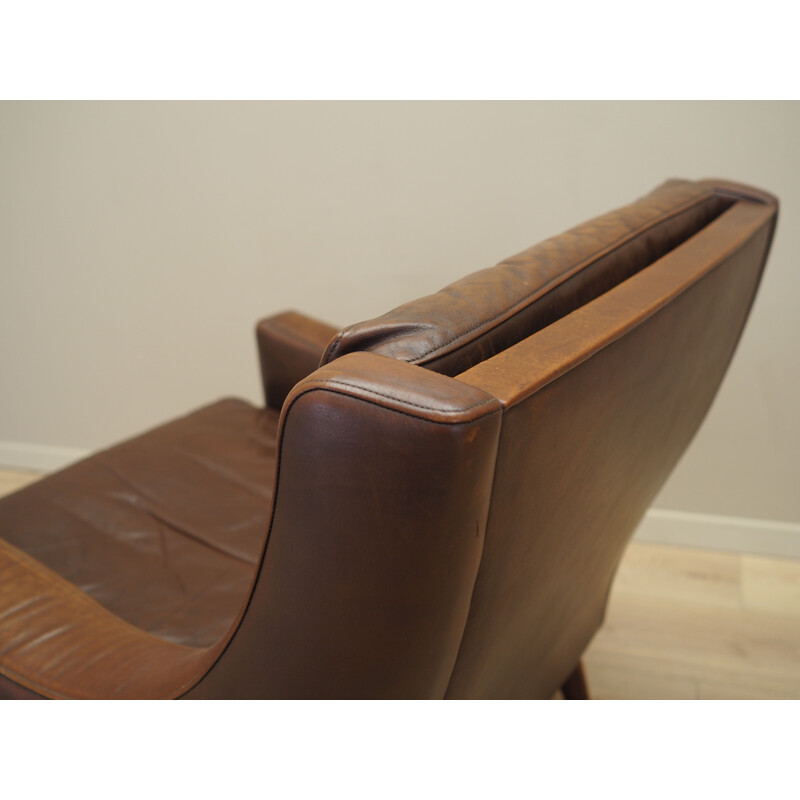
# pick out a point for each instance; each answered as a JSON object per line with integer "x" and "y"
{"x": 432, "y": 503}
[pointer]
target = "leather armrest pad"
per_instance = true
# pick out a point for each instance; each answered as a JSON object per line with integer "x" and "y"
{"x": 290, "y": 346}
{"x": 59, "y": 642}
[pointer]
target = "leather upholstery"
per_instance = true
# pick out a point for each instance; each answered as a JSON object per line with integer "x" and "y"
{"x": 164, "y": 530}
{"x": 289, "y": 347}
{"x": 61, "y": 643}
{"x": 366, "y": 582}
{"x": 384, "y": 530}
{"x": 598, "y": 408}
{"x": 482, "y": 314}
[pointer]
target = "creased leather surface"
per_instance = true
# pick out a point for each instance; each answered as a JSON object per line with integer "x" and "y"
{"x": 482, "y": 314}
{"x": 163, "y": 530}
{"x": 54, "y": 638}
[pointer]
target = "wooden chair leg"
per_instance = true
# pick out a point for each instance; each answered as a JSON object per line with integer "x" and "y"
{"x": 575, "y": 687}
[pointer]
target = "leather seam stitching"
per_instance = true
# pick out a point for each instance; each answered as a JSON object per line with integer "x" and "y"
{"x": 352, "y": 388}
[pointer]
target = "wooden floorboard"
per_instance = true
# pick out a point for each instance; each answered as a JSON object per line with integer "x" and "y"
{"x": 11, "y": 480}
{"x": 683, "y": 624}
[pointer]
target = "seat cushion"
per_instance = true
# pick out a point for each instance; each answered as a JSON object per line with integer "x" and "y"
{"x": 164, "y": 530}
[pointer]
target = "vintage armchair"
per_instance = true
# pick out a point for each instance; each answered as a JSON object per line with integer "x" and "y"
{"x": 432, "y": 504}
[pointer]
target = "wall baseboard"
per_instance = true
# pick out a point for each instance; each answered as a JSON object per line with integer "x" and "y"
{"x": 659, "y": 526}
{"x": 38, "y": 457}
{"x": 718, "y": 532}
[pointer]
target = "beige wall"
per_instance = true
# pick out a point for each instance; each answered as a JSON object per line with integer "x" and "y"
{"x": 139, "y": 243}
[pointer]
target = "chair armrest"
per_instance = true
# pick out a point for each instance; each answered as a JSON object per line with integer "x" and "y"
{"x": 58, "y": 642}
{"x": 290, "y": 346}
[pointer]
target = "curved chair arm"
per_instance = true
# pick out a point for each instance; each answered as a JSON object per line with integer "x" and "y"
{"x": 290, "y": 346}
{"x": 60, "y": 643}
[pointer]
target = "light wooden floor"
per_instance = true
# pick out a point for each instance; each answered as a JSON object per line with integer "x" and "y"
{"x": 684, "y": 624}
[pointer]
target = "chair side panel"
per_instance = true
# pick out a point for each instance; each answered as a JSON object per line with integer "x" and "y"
{"x": 579, "y": 462}
{"x": 382, "y": 496}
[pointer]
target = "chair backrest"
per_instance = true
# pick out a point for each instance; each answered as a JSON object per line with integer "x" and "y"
{"x": 486, "y": 312}
{"x": 437, "y": 536}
